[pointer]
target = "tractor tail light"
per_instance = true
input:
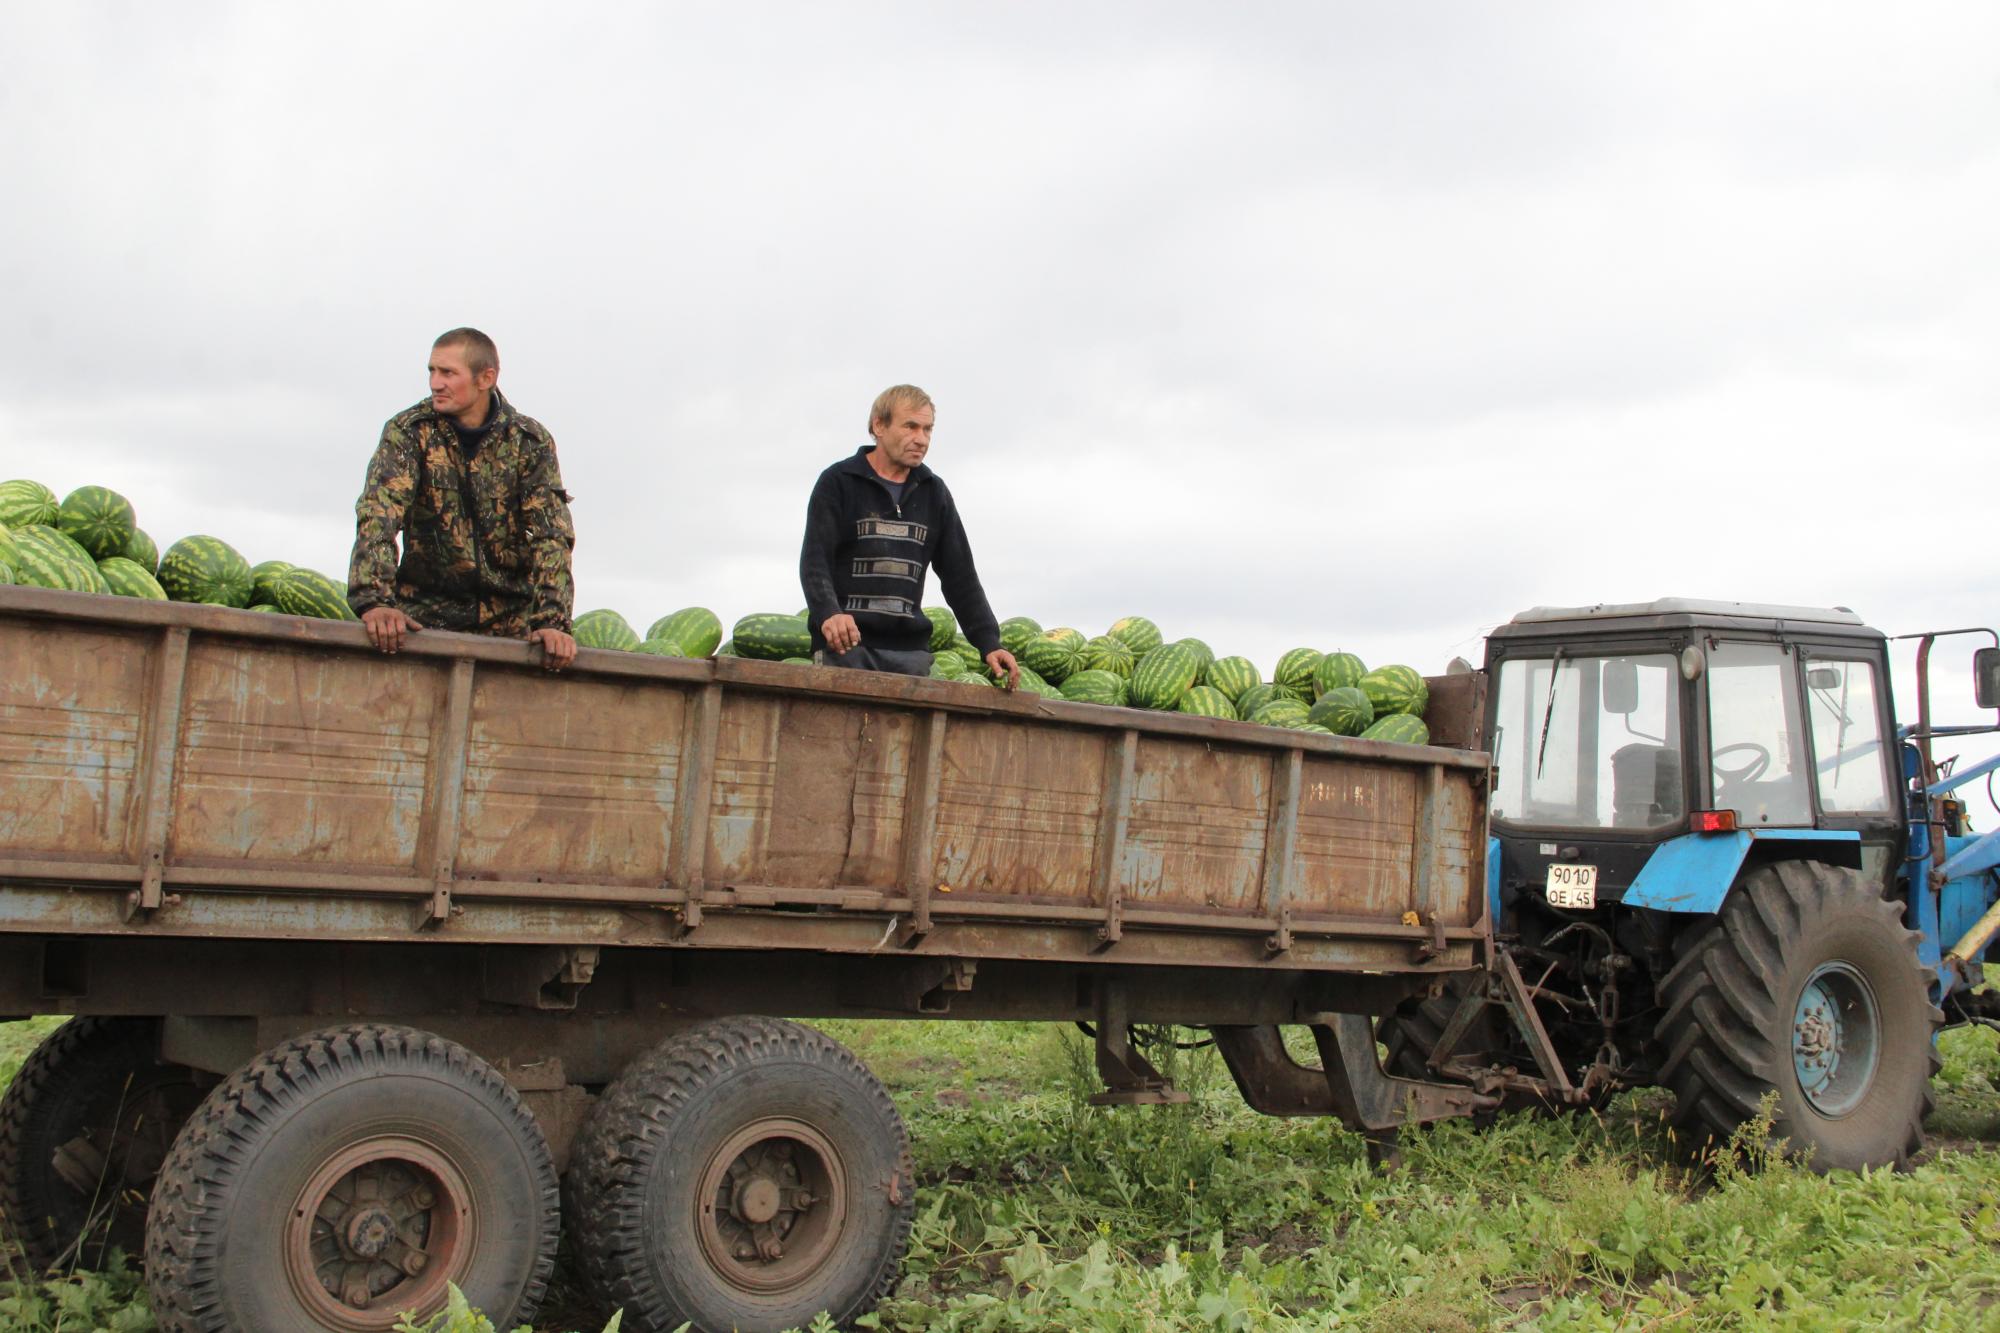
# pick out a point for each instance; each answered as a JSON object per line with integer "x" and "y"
{"x": 1713, "y": 821}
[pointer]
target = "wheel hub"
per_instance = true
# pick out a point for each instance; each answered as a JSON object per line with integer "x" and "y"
{"x": 1836, "y": 1028}
{"x": 368, "y": 1231}
{"x": 771, "y": 1205}
{"x": 378, "y": 1230}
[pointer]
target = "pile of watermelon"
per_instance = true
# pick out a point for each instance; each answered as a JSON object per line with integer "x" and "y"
{"x": 1130, "y": 665}
{"x": 91, "y": 541}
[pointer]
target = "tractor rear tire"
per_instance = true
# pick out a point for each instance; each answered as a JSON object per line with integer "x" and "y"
{"x": 747, "y": 1174}
{"x": 84, "y": 1127}
{"x": 1806, "y": 985}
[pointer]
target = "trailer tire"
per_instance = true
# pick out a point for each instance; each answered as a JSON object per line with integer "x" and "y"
{"x": 746, "y": 1174}
{"x": 348, "y": 1175}
{"x": 1806, "y": 984}
{"x": 84, "y": 1127}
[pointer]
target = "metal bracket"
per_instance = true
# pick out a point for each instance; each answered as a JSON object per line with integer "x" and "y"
{"x": 1281, "y": 939}
{"x": 1129, "y": 1077}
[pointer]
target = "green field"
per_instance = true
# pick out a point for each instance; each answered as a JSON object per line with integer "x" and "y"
{"x": 1039, "y": 1212}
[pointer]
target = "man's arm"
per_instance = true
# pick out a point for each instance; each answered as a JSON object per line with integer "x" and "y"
{"x": 378, "y": 517}
{"x": 551, "y": 536}
{"x": 816, "y": 557}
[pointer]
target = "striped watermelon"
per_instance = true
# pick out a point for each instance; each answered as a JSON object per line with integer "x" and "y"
{"x": 1015, "y": 631}
{"x": 728, "y": 649}
{"x": 1139, "y": 634}
{"x": 663, "y": 648}
{"x": 1231, "y": 675}
{"x": 1164, "y": 675}
{"x": 963, "y": 647}
{"x": 307, "y": 592}
{"x": 605, "y": 629}
{"x": 44, "y": 558}
{"x": 1096, "y": 687}
{"x": 972, "y": 678}
{"x": 1304, "y": 695}
{"x": 1075, "y": 638}
{"x": 1295, "y": 671}
{"x": 1281, "y": 713}
{"x": 205, "y": 569}
{"x": 141, "y": 551}
{"x": 6, "y": 574}
{"x": 696, "y": 629}
{"x": 798, "y": 661}
{"x": 1344, "y": 711}
{"x": 944, "y": 627}
{"x": 264, "y": 579}
{"x": 1032, "y": 683}
{"x": 101, "y": 521}
{"x": 1396, "y": 689}
{"x": 1207, "y": 701}
{"x": 772, "y": 638}
{"x": 1105, "y": 653}
{"x": 1337, "y": 671}
{"x": 1316, "y": 729}
{"x": 271, "y": 607}
{"x": 1203, "y": 652}
{"x": 26, "y": 504}
{"x": 946, "y": 665}
{"x": 1254, "y": 698}
{"x": 1401, "y": 728}
{"x": 10, "y": 555}
{"x": 1052, "y": 655}
{"x": 129, "y": 578}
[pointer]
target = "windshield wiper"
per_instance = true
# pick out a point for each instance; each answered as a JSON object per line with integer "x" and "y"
{"x": 1548, "y": 712}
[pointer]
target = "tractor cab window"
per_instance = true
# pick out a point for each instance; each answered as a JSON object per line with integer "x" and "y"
{"x": 1756, "y": 745}
{"x": 1589, "y": 742}
{"x": 1848, "y": 757}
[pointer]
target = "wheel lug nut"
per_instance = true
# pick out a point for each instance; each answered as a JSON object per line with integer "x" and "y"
{"x": 356, "y": 1295}
{"x": 422, "y": 1197}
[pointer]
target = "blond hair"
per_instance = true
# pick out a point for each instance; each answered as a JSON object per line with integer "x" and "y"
{"x": 893, "y": 397}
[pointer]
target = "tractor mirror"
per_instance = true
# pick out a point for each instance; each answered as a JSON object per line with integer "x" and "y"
{"x": 1621, "y": 686}
{"x": 1986, "y": 677}
{"x": 1823, "y": 678}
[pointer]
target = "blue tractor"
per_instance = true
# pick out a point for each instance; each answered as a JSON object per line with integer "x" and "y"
{"x": 1719, "y": 865}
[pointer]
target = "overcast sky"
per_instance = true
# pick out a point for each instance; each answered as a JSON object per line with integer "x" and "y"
{"x": 1349, "y": 326}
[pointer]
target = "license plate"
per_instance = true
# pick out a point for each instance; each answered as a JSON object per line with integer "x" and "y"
{"x": 1572, "y": 886}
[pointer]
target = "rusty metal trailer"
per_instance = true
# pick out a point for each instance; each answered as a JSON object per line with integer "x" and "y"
{"x": 368, "y": 950}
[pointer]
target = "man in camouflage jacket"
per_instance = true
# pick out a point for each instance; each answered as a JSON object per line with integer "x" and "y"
{"x": 473, "y": 488}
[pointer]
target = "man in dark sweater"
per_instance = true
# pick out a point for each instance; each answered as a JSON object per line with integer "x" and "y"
{"x": 875, "y": 523}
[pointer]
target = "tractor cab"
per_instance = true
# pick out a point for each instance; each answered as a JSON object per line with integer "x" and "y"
{"x": 1618, "y": 730}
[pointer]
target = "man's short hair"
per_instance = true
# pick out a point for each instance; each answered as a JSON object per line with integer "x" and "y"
{"x": 480, "y": 353}
{"x": 893, "y": 397}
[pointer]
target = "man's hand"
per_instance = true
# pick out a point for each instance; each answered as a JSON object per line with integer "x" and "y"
{"x": 840, "y": 632}
{"x": 1001, "y": 663}
{"x": 558, "y": 648}
{"x": 386, "y": 627}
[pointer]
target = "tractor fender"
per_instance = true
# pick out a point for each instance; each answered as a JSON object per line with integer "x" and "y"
{"x": 1693, "y": 873}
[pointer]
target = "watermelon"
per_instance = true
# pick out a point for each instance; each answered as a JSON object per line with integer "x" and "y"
{"x": 129, "y": 578}
{"x": 6, "y": 574}
{"x": 1396, "y": 689}
{"x": 1207, "y": 701}
{"x": 1336, "y": 671}
{"x": 141, "y": 551}
{"x": 1164, "y": 675}
{"x": 1231, "y": 675}
{"x": 798, "y": 661}
{"x": 205, "y": 569}
{"x": 1204, "y": 653}
{"x": 265, "y": 606}
{"x": 101, "y": 521}
{"x": 25, "y": 504}
{"x": 1015, "y": 631}
{"x": 1344, "y": 711}
{"x": 264, "y": 579}
{"x": 44, "y": 558}
{"x": 772, "y": 638}
{"x": 1051, "y": 655}
{"x": 663, "y": 648}
{"x": 1402, "y": 728}
{"x": 1105, "y": 653}
{"x": 963, "y": 647}
{"x": 728, "y": 650}
{"x": 605, "y": 629}
{"x": 1139, "y": 634}
{"x": 1303, "y": 695}
{"x": 10, "y": 554}
{"x": 1095, "y": 687}
{"x": 972, "y": 678}
{"x": 947, "y": 665}
{"x": 1281, "y": 713}
{"x": 1295, "y": 671}
{"x": 1032, "y": 683}
{"x": 944, "y": 627}
{"x": 1315, "y": 728}
{"x": 307, "y": 592}
{"x": 695, "y": 628}
{"x": 1255, "y": 697}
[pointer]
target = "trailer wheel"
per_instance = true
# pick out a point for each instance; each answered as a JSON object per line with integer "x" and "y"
{"x": 84, "y": 1127}
{"x": 1806, "y": 984}
{"x": 746, "y": 1174}
{"x": 345, "y": 1177}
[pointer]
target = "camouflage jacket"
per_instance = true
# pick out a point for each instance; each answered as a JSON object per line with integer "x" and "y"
{"x": 485, "y": 548}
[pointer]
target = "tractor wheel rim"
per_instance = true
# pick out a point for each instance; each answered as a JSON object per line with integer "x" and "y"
{"x": 378, "y": 1230}
{"x": 771, "y": 1206}
{"x": 1836, "y": 1038}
